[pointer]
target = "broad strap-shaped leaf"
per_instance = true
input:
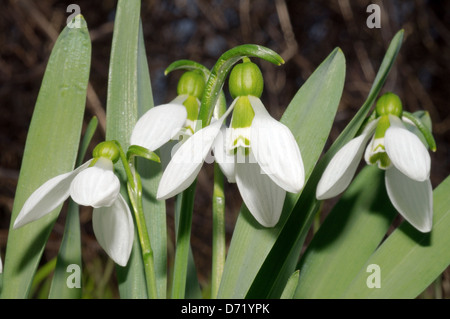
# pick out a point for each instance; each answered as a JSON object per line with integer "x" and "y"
{"x": 150, "y": 172}
{"x": 409, "y": 260}
{"x": 121, "y": 115}
{"x": 346, "y": 239}
{"x": 51, "y": 146}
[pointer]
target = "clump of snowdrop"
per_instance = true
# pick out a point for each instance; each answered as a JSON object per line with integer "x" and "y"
{"x": 257, "y": 152}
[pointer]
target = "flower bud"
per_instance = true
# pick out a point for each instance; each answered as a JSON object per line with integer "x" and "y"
{"x": 191, "y": 83}
{"x": 107, "y": 150}
{"x": 389, "y": 104}
{"x": 246, "y": 79}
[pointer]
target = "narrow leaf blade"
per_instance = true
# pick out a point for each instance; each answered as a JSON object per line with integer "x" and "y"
{"x": 121, "y": 116}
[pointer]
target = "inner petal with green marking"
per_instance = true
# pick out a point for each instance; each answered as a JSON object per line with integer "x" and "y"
{"x": 241, "y": 122}
{"x": 376, "y": 152}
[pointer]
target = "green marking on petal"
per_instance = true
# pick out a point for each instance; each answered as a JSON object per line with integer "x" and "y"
{"x": 383, "y": 160}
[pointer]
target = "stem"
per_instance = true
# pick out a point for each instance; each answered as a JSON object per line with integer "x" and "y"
{"x": 182, "y": 243}
{"x": 218, "y": 236}
{"x": 144, "y": 239}
{"x": 134, "y": 187}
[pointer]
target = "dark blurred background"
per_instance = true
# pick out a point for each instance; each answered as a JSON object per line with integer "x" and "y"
{"x": 302, "y": 32}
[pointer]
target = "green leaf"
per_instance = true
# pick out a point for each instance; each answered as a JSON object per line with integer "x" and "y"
{"x": 121, "y": 116}
{"x": 51, "y": 146}
{"x": 129, "y": 97}
{"x": 291, "y": 286}
{"x": 347, "y": 238}
{"x": 70, "y": 249}
{"x": 310, "y": 117}
{"x": 409, "y": 260}
{"x": 192, "y": 286}
{"x": 151, "y": 172}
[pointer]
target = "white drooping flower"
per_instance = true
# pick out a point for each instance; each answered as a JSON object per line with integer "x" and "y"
{"x": 394, "y": 149}
{"x": 259, "y": 153}
{"x": 165, "y": 122}
{"x": 91, "y": 184}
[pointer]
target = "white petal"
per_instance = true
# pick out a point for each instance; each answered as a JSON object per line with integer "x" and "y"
{"x": 114, "y": 229}
{"x": 412, "y": 199}
{"x": 342, "y": 167}
{"x": 158, "y": 125}
{"x": 410, "y": 126}
{"x": 188, "y": 160}
{"x": 222, "y": 157}
{"x": 47, "y": 197}
{"x": 407, "y": 152}
{"x": 276, "y": 150}
{"x": 263, "y": 198}
{"x": 96, "y": 186}
{"x": 1, "y": 265}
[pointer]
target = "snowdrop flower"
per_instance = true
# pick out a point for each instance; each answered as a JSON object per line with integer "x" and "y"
{"x": 394, "y": 149}
{"x": 92, "y": 184}
{"x": 165, "y": 122}
{"x": 258, "y": 153}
